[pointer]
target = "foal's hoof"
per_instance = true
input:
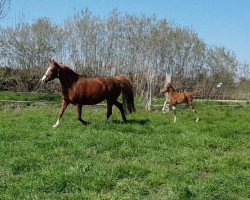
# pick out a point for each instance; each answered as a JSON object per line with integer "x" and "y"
{"x": 197, "y": 120}
{"x": 55, "y": 126}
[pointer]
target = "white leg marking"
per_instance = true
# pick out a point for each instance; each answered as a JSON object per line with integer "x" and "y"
{"x": 165, "y": 107}
{"x": 197, "y": 118}
{"x": 174, "y": 113}
{"x": 57, "y": 123}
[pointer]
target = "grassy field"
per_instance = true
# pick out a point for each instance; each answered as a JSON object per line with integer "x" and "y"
{"x": 149, "y": 157}
{"x": 19, "y": 96}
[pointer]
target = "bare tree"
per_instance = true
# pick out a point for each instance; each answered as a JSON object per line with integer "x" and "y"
{"x": 4, "y": 8}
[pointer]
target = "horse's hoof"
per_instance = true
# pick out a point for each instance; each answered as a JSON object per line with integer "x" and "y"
{"x": 55, "y": 126}
{"x": 86, "y": 123}
{"x": 197, "y": 120}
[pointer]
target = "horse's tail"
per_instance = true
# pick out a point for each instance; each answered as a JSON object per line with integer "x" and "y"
{"x": 127, "y": 93}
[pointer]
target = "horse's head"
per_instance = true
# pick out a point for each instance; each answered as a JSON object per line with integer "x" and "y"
{"x": 52, "y": 72}
{"x": 166, "y": 88}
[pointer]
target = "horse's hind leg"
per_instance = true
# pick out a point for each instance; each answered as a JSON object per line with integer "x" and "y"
{"x": 120, "y": 107}
{"x": 79, "y": 114}
{"x": 109, "y": 109}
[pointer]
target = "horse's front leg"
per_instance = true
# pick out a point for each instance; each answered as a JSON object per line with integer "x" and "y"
{"x": 79, "y": 114}
{"x": 63, "y": 107}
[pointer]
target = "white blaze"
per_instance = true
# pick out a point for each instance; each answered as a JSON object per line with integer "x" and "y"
{"x": 45, "y": 75}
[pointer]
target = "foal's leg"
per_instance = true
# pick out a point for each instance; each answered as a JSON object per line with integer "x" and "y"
{"x": 79, "y": 114}
{"x": 174, "y": 111}
{"x": 194, "y": 111}
{"x": 165, "y": 106}
{"x": 63, "y": 107}
{"x": 120, "y": 107}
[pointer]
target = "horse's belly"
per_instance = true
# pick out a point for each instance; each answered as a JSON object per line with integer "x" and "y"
{"x": 92, "y": 100}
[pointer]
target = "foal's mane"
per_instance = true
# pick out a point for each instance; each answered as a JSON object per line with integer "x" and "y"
{"x": 172, "y": 87}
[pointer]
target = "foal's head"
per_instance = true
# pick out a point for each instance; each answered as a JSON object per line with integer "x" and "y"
{"x": 52, "y": 72}
{"x": 167, "y": 87}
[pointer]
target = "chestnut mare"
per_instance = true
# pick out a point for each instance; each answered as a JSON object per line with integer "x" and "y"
{"x": 80, "y": 91}
{"x": 175, "y": 98}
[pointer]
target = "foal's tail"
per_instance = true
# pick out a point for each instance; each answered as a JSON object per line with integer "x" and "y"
{"x": 127, "y": 93}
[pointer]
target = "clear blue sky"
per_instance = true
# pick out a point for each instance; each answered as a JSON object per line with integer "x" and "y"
{"x": 217, "y": 22}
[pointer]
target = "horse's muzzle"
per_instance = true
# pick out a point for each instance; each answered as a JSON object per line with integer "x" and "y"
{"x": 44, "y": 79}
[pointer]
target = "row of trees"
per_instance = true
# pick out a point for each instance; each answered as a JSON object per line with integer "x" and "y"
{"x": 143, "y": 48}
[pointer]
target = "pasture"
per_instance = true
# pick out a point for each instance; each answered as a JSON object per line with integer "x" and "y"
{"x": 149, "y": 157}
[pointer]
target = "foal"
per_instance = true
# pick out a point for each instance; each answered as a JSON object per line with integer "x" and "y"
{"x": 175, "y": 98}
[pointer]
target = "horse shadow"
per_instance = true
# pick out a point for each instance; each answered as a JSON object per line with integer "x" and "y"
{"x": 131, "y": 121}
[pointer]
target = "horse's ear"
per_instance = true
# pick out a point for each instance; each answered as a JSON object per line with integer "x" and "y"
{"x": 51, "y": 60}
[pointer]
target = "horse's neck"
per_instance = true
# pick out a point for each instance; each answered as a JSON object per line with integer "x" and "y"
{"x": 67, "y": 78}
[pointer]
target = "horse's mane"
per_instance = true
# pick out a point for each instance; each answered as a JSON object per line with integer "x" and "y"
{"x": 67, "y": 69}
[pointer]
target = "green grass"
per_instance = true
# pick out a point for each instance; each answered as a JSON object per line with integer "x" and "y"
{"x": 149, "y": 157}
{"x": 22, "y": 96}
